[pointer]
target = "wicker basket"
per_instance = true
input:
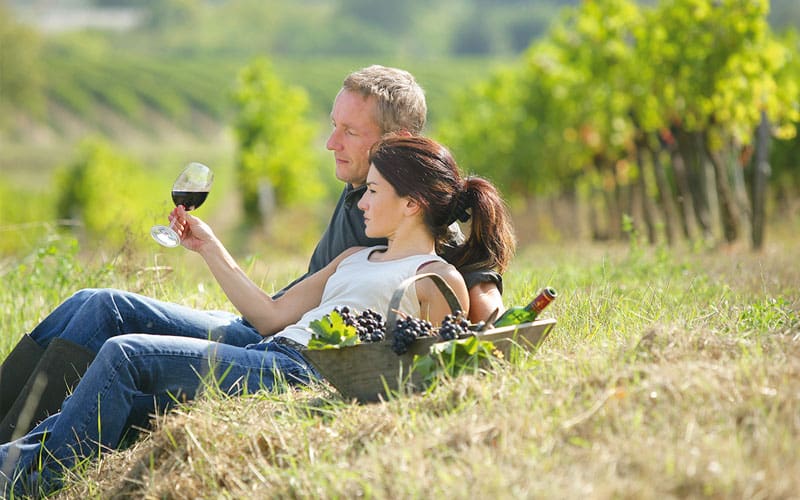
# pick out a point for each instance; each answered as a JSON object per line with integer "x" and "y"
{"x": 367, "y": 372}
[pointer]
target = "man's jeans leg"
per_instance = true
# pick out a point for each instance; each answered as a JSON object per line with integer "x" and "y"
{"x": 92, "y": 316}
{"x": 127, "y": 369}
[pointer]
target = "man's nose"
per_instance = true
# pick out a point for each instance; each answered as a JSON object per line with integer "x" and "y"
{"x": 333, "y": 143}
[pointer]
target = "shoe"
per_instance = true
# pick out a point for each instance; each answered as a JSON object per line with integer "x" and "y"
{"x": 16, "y": 370}
{"x": 58, "y": 371}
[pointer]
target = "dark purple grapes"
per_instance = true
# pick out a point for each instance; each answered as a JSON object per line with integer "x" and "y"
{"x": 454, "y": 326}
{"x": 369, "y": 324}
{"x": 407, "y": 330}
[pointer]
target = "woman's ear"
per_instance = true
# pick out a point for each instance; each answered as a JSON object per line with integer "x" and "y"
{"x": 412, "y": 207}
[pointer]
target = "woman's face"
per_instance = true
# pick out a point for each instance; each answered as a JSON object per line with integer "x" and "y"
{"x": 383, "y": 209}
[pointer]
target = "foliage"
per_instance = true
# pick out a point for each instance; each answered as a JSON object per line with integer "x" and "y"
{"x": 616, "y": 90}
{"x": 84, "y": 73}
{"x": 274, "y": 137}
{"x": 572, "y": 115}
{"x": 25, "y": 216}
{"x": 347, "y": 27}
{"x": 20, "y": 72}
{"x": 110, "y": 194}
{"x": 486, "y": 131}
{"x": 39, "y": 280}
{"x": 455, "y": 357}
{"x": 331, "y": 332}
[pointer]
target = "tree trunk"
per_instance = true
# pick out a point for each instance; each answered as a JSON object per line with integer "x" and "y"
{"x": 760, "y": 174}
{"x": 685, "y": 205}
{"x": 598, "y": 233}
{"x": 687, "y": 146}
{"x": 664, "y": 194}
{"x": 624, "y": 192}
{"x": 610, "y": 197}
{"x": 740, "y": 159}
{"x": 729, "y": 214}
{"x": 641, "y": 185}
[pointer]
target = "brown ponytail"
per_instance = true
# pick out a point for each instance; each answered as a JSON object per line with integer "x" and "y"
{"x": 491, "y": 242}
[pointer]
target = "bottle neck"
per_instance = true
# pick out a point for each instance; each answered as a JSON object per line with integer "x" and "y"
{"x": 540, "y": 302}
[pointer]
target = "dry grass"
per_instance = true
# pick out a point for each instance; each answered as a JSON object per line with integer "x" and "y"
{"x": 673, "y": 421}
{"x": 668, "y": 375}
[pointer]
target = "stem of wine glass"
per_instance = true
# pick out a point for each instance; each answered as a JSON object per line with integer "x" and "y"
{"x": 166, "y": 235}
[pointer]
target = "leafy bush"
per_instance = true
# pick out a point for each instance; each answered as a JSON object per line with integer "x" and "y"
{"x": 108, "y": 193}
{"x": 275, "y": 142}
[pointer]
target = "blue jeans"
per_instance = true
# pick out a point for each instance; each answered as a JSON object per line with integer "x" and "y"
{"x": 128, "y": 370}
{"x": 92, "y": 316}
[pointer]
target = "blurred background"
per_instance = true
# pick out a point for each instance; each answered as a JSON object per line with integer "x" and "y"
{"x": 672, "y": 121}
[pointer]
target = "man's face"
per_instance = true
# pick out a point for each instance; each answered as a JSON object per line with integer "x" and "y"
{"x": 355, "y": 130}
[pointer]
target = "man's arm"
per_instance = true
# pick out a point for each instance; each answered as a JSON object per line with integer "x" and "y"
{"x": 433, "y": 304}
{"x": 484, "y": 298}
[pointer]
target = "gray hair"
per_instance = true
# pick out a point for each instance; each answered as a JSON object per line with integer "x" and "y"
{"x": 401, "y": 100}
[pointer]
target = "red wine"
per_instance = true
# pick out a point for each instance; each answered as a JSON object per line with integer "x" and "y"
{"x": 189, "y": 199}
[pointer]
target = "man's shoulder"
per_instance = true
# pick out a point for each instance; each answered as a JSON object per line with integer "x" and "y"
{"x": 478, "y": 276}
{"x": 350, "y": 195}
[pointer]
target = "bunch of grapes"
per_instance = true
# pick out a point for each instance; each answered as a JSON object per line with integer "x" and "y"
{"x": 407, "y": 330}
{"x": 454, "y": 326}
{"x": 369, "y": 324}
{"x": 371, "y": 327}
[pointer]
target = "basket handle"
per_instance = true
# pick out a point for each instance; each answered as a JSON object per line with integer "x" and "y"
{"x": 394, "y": 303}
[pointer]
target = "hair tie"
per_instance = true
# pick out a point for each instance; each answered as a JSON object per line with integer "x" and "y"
{"x": 464, "y": 201}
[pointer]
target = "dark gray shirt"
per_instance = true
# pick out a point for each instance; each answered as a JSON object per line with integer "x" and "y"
{"x": 346, "y": 230}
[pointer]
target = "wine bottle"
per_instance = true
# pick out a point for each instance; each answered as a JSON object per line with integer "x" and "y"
{"x": 526, "y": 314}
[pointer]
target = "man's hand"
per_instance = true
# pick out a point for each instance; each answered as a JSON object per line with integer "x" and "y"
{"x": 194, "y": 233}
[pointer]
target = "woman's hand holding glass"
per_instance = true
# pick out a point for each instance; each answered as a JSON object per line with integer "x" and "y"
{"x": 194, "y": 234}
{"x": 189, "y": 191}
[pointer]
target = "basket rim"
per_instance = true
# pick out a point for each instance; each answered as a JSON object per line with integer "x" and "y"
{"x": 482, "y": 335}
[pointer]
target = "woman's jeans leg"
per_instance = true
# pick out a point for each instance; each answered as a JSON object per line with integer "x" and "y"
{"x": 130, "y": 368}
{"x": 92, "y": 316}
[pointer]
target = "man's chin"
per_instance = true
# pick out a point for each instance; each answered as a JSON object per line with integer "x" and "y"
{"x": 347, "y": 179}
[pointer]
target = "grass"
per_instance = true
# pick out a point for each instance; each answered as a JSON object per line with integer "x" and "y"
{"x": 669, "y": 374}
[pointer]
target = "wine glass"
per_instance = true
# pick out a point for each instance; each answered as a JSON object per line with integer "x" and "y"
{"x": 190, "y": 190}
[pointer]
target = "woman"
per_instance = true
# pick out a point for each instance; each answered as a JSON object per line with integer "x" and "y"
{"x": 414, "y": 191}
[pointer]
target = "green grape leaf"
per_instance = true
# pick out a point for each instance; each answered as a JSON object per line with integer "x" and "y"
{"x": 454, "y": 357}
{"x": 331, "y": 332}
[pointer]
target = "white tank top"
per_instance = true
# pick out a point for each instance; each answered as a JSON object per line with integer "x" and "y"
{"x": 361, "y": 284}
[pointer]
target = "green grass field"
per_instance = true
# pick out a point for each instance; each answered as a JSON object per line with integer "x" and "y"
{"x": 669, "y": 374}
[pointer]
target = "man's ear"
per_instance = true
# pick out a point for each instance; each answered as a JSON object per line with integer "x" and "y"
{"x": 403, "y": 133}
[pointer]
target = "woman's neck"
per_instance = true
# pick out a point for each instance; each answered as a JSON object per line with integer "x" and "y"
{"x": 417, "y": 241}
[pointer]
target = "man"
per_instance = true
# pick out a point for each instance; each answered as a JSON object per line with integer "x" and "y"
{"x": 372, "y": 102}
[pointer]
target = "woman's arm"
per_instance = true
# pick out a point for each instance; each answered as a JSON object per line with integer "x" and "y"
{"x": 267, "y": 315}
{"x": 433, "y": 305}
